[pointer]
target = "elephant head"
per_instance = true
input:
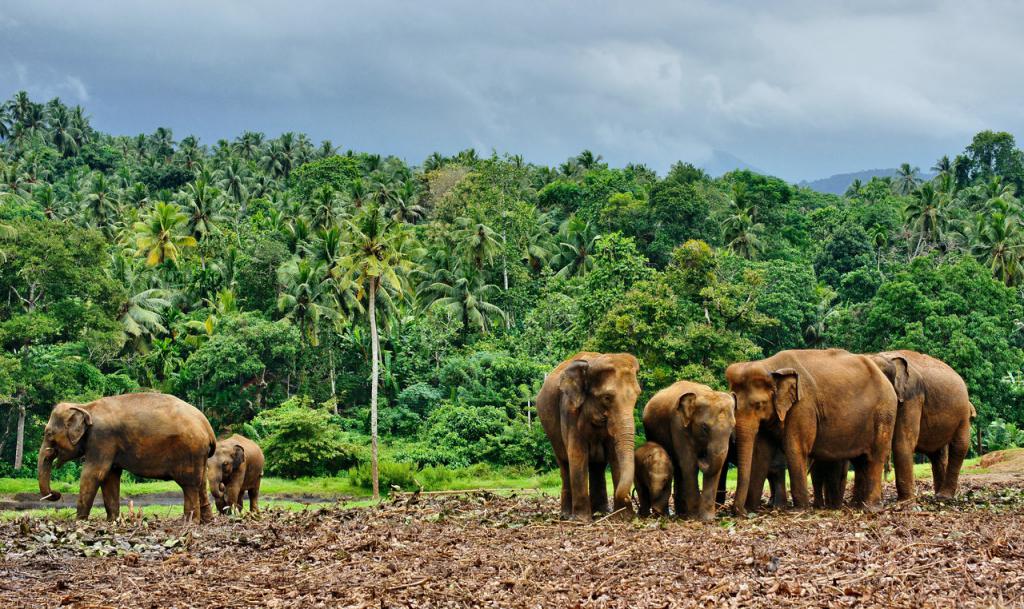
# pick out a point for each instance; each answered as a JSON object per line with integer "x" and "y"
{"x": 905, "y": 378}
{"x": 762, "y": 396}
{"x": 710, "y": 417}
{"x": 63, "y": 441}
{"x": 220, "y": 468}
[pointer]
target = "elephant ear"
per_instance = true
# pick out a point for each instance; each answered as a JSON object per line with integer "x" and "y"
{"x": 573, "y": 385}
{"x": 237, "y": 456}
{"x": 901, "y": 382}
{"x": 787, "y": 390}
{"x": 687, "y": 406}
{"x": 78, "y": 422}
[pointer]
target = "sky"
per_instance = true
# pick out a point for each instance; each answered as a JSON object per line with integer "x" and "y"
{"x": 800, "y": 90}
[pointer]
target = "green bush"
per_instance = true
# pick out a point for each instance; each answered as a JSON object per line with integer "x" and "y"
{"x": 402, "y": 475}
{"x": 302, "y": 440}
{"x": 1000, "y": 435}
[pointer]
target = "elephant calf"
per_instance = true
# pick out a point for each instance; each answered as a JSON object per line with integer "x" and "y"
{"x": 151, "y": 435}
{"x": 235, "y": 468}
{"x": 653, "y": 479}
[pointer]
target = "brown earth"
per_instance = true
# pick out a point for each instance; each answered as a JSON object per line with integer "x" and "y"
{"x": 485, "y": 550}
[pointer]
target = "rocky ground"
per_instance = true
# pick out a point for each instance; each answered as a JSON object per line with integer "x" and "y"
{"x": 485, "y": 550}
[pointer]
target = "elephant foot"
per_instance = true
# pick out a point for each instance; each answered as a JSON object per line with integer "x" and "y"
{"x": 944, "y": 496}
{"x": 706, "y": 516}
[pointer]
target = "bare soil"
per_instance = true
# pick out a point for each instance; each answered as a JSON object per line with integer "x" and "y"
{"x": 481, "y": 549}
{"x": 32, "y": 501}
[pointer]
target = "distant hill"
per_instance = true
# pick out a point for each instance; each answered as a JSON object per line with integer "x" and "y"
{"x": 722, "y": 162}
{"x": 838, "y": 183}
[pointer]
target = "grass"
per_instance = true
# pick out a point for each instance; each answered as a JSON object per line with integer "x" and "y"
{"x": 274, "y": 491}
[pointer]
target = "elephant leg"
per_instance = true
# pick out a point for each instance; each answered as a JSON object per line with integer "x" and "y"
{"x": 720, "y": 495}
{"x": 818, "y": 483}
{"x": 563, "y": 469}
{"x": 677, "y": 488}
{"x": 957, "y": 452}
{"x": 940, "y": 461}
{"x": 598, "y": 486}
{"x": 191, "y": 502}
{"x": 254, "y": 494}
{"x": 835, "y": 489}
{"x": 687, "y": 489}
{"x": 708, "y": 493}
{"x": 759, "y": 466}
{"x": 777, "y": 480}
{"x": 88, "y": 485}
{"x": 643, "y": 498}
{"x": 905, "y": 435}
{"x": 578, "y": 474}
{"x": 797, "y": 460}
{"x": 112, "y": 493}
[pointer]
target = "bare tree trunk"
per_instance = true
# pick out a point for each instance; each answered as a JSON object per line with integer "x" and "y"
{"x": 374, "y": 373}
{"x": 334, "y": 391}
{"x": 19, "y": 447}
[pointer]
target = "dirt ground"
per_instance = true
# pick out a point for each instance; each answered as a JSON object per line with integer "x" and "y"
{"x": 485, "y": 550}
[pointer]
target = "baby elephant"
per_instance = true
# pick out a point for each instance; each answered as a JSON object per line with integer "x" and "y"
{"x": 235, "y": 467}
{"x": 653, "y": 479}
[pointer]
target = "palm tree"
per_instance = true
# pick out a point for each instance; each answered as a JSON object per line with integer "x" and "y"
{"x": 160, "y": 236}
{"x": 906, "y": 179}
{"x": 404, "y": 205}
{"x": 853, "y": 191}
{"x": 249, "y": 145}
{"x": 307, "y": 297}
{"x": 162, "y": 143}
{"x": 539, "y": 245}
{"x": 743, "y": 235}
{"x": 943, "y": 166}
{"x": 927, "y": 214}
{"x": 6, "y": 123}
{"x": 136, "y": 196}
{"x": 435, "y": 161}
{"x": 998, "y": 242}
{"x": 465, "y": 298}
{"x": 479, "y": 241}
{"x": 326, "y": 149}
{"x": 587, "y": 160}
{"x": 100, "y": 201}
{"x": 324, "y": 207}
{"x": 63, "y": 133}
{"x": 577, "y": 239}
{"x": 378, "y": 257}
{"x": 358, "y": 194}
{"x": 233, "y": 178}
{"x": 205, "y": 205}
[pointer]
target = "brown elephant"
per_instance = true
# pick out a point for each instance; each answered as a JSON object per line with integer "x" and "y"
{"x": 653, "y": 479}
{"x": 822, "y": 404}
{"x": 152, "y": 435}
{"x": 933, "y": 418}
{"x": 235, "y": 468}
{"x": 586, "y": 407}
{"x": 829, "y": 481}
{"x": 694, "y": 423}
{"x": 767, "y": 464}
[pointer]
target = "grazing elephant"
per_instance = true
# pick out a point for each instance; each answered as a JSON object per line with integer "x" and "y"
{"x": 933, "y": 418}
{"x": 235, "y": 468}
{"x": 152, "y": 435}
{"x": 770, "y": 468}
{"x": 830, "y": 405}
{"x": 694, "y": 423}
{"x": 586, "y": 407}
{"x": 653, "y": 479}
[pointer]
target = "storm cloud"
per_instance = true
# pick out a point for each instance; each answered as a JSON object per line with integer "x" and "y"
{"x": 800, "y": 90}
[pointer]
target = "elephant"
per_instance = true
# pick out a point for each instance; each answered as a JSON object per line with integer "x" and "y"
{"x": 236, "y": 467}
{"x": 771, "y": 468}
{"x": 586, "y": 407}
{"x": 151, "y": 435}
{"x": 829, "y": 481}
{"x": 653, "y": 479}
{"x": 694, "y": 423}
{"x": 933, "y": 417}
{"x": 829, "y": 404}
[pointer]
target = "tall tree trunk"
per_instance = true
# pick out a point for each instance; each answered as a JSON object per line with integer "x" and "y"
{"x": 374, "y": 373}
{"x": 334, "y": 391}
{"x": 19, "y": 447}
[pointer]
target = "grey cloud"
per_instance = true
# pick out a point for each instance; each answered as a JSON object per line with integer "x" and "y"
{"x": 799, "y": 89}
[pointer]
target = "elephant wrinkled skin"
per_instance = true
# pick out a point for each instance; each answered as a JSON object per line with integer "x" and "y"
{"x": 151, "y": 435}
{"x": 830, "y": 405}
{"x": 235, "y": 468}
{"x": 586, "y": 407}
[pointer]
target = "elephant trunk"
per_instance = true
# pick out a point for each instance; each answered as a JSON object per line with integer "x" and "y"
{"x": 746, "y": 435}
{"x": 47, "y": 455}
{"x": 625, "y": 447}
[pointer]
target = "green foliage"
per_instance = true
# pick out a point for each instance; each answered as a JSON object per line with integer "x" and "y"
{"x": 336, "y": 172}
{"x": 391, "y": 474}
{"x": 299, "y": 439}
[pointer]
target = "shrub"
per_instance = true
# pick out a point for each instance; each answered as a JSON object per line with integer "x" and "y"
{"x": 301, "y": 440}
{"x": 1000, "y": 435}
{"x": 402, "y": 475}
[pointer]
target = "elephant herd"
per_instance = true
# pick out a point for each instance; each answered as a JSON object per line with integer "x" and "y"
{"x": 801, "y": 411}
{"x": 152, "y": 435}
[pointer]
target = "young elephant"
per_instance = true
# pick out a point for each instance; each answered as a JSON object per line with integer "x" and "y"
{"x": 586, "y": 408}
{"x": 771, "y": 468}
{"x": 149, "y": 434}
{"x": 653, "y": 479}
{"x": 694, "y": 423}
{"x": 235, "y": 467}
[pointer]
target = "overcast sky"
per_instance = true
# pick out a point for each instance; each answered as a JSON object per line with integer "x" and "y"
{"x": 800, "y": 90}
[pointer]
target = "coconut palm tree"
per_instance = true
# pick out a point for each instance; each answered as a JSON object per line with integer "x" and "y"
{"x": 997, "y": 240}
{"x": 100, "y": 201}
{"x": 161, "y": 236}
{"x": 249, "y": 145}
{"x": 324, "y": 207}
{"x": 577, "y": 239}
{"x": 742, "y": 234}
{"x": 307, "y": 297}
{"x": 205, "y": 208}
{"x": 232, "y": 177}
{"x": 927, "y": 213}
{"x": 63, "y": 132}
{"x": 465, "y": 298}
{"x": 479, "y": 241}
{"x": 404, "y": 205}
{"x": 906, "y": 179}
{"x": 378, "y": 257}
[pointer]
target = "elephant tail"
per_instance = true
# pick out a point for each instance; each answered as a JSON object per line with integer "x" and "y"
{"x": 213, "y": 448}
{"x": 974, "y": 412}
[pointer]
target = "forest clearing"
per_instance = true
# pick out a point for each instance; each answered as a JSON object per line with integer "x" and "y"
{"x": 481, "y": 548}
